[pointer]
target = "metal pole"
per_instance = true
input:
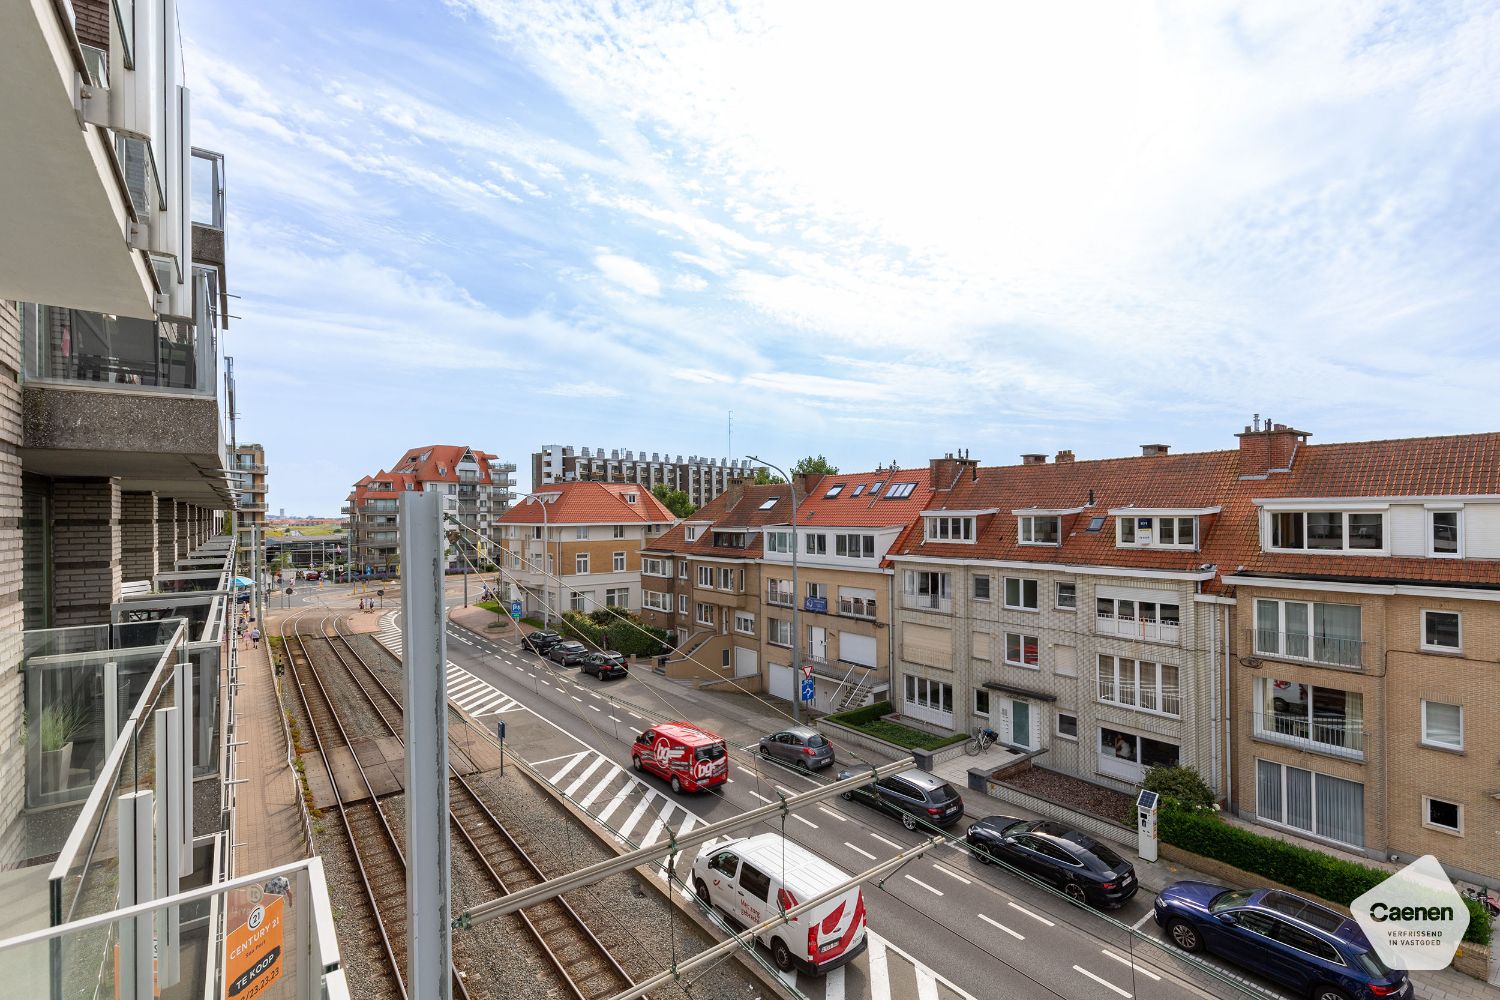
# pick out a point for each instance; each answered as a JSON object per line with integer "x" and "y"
{"x": 425, "y": 724}
{"x": 796, "y": 598}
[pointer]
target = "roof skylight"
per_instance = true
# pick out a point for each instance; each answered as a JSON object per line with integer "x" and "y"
{"x": 858, "y": 489}
{"x": 1095, "y": 523}
{"x": 835, "y": 490}
{"x": 767, "y": 505}
{"x": 875, "y": 486}
{"x": 899, "y": 490}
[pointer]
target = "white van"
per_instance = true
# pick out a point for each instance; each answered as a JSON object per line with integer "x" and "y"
{"x": 752, "y": 879}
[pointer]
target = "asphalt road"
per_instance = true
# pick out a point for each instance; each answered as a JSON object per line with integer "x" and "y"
{"x": 944, "y": 925}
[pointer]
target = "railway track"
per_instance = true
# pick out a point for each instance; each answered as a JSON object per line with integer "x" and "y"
{"x": 583, "y": 964}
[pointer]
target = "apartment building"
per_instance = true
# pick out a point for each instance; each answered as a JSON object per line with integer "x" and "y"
{"x": 479, "y": 483}
{"x": 1365, "y": 700}
{"x": 116, "y": 551}
{"x": 1068, "y": 606}
{"x": 699, "y": 477}
{"x": 249, "y": 466}
{"x": 577, "y": 547}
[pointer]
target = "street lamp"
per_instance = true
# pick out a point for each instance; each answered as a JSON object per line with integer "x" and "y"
{"x": 796, "y": 596}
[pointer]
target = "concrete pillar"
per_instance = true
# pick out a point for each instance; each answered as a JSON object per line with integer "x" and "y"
{"x": 166, "y": 534}
{"x": 184, "y": 530}
{"x": 12, "y": 760}
{"x": 138, "y": 536}
{"x": 86, "y": 550}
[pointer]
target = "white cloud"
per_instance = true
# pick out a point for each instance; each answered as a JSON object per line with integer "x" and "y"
{"x": 628, "y": 273}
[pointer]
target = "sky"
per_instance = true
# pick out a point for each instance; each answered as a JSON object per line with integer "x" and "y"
{"x": 875, "y": 231}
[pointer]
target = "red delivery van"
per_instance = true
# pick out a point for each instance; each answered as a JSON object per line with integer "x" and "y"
{"x": 691, "y": 758}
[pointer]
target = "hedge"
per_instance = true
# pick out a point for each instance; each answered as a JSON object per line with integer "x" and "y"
{"x": 603, "y": 629}
{"x": 857, "y": 716}
{"x": 868, "y": 721}
{"x": 1311, "y": 871}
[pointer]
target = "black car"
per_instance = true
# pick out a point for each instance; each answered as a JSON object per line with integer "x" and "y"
{"x": 567, "y": 653}
{"x": 606, "y": 665}
{"x": 1080, "y": 866}
{"x": 540, "y": 642}
{"x": 912, "y": 796}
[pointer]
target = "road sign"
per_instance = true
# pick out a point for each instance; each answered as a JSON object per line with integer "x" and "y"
{"x": 807, "y": 671}
{"x": 515, "y": 610}
{"x": 807, "y": 689}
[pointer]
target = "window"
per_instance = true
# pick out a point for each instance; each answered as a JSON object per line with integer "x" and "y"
{"x": 619, "y": 531}
{"x": 581, "y": 564}
{"x": 655, "y": 601}
{"x": 816, "y": 545}
{"x": 817, "y": 591}
{"x": 854, "y": 546}
{"x": 1067, "y": 597}
{"x": 1443, "y": 725}
{"x": 1303, "y": 630}
{"x": 1319, "y": 804}
{"x": 726, "y": 578}
{"x": 778, "y": 541}
{"x": 682, "y": 603}
{"x": 619, "y": 562}
{"x": 767, "y": 505}
{"x": 706, "y": 576}
{"x": 682, "y": 569}
{"x": 656, "y": 567}
{"x": 1327, "y": 530}
{"x": 858, "y": 489}
{"x": 705, "y": 614}
{"x": 981, "y": 587}
{"x": 581, "y": 531}
{"x": 1328, "y": 718}
{"x": 744, "y": 623}
{"x": 934, "y": 696}
{"x": 1441, "y": 631}
{"x": 1095, "y": 524}
{"x": 875, "y": 486}
{"x": 856, "y": 602}
{"x": 780, "y": 592}
{"x": 899, "y": 491}
{"x": 690, "y": 533}
{"x": 950, "y": 529}
{"x": 1125, "y": 530}
{"x": 1139, "y": 684}
{"x": 1174, "y": 532}
{"x": 578, "y": 600}
{"x": 617, "y": 597}
{"x": 1441, "y": 815}
{"x": 632, "y": 497}
{"x": 981, "y": 702}
{"x": 1444, "y": 534}
{"x": 1137, "y": 619}
{"x": 1039, "y": 530}
{"x": 536, "y": 532}
{"x": 729, "y": 539}
{"x": 755, "y": 882}
{"x": 778, "y": 631}
{"x": 1020, "y": 593}
{"x": 1021, "y": 650}
{"x": 1067, "y": 726}
{"x": 835, "y": 490}
{"x": 927, "y": 590}
{"x": 1128, "y": 756}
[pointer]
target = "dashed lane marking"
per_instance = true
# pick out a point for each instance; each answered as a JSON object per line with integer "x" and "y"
{"x": 887, "y": 843}
{"x": 1034, "y": 916}
{"x": 1100, "y": 980}
{"x": 999, "y": 926}
{"x": 932, "y": 889}
{"x": 859, "y": 850}
{"x": 830, "y": 812}
{"x": 1125, "y": 961}
{"x": 951, "y": 873}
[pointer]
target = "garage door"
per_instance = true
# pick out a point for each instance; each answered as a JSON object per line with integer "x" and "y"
{"x": 782, "y": 683}
{"x": 745, "y": 662}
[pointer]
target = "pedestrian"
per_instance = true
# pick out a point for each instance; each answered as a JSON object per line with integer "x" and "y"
{"x": 255, "y": 638}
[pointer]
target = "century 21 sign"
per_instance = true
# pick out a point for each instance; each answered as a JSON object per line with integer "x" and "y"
{"x": 252, "y": 951}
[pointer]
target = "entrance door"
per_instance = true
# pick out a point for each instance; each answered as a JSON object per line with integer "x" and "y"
{"x": 1020, "y": 724}
{"x": 817, "y": 642}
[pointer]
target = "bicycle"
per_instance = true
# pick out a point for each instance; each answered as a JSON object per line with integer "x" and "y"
{"x": 983, "y": 738}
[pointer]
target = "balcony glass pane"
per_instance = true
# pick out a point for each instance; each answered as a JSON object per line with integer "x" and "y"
{"x": 71, "y": 345}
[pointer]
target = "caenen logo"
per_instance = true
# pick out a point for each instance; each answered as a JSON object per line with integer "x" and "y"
{"x": 1415, "y": 919}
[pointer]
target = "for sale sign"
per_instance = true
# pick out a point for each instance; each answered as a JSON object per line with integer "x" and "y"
{"x": 1415, "y": 919}
{"x": 252, "y": 951}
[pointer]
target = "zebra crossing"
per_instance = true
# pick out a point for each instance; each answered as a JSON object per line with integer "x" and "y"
{"x": 634, "y": 813}
{"x": 389, "y": 633}
{"x": 477, "y": 697}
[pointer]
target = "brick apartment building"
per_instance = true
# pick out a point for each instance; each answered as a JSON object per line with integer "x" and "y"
{"x": 577, "y": 547}
{"x": 249, "y": 466}
{"x": 700, "y": 478}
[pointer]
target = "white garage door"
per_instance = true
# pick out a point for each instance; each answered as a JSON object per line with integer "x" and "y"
{"x": 857, "y": 648}
{"x": 745, "y": 662}
{"x": 782, "y": 683}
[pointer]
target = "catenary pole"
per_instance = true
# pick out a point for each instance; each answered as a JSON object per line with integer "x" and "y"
{"x": 796, "y": 598}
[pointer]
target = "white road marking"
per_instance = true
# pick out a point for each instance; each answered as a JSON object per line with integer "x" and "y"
{"x": 859, "y": 850}
{"x": 1033, "y": 916}
{"x": 833, "y": 984}
{"x": 1137, "y": 925}
{"x": 762, "y": 797}
{"x": 1102, "y": 982}
{"x": 594, "y": 707}
{"x": 598, "y": 789}
{"x": 799, "y": 819}
{"x": 926, "y": 984}
{"x": 614, "y": 803}
{"x": 572, "y": 763}
{"x": 549, "y": 760}
{"x": 951, "y": 986}
{"x": 999, "y": 926}
{"x": 613, "y": 719}
{"x": 635, "y": 817}
{"x": 574, "y": 697}
{"x": 880, "y": 977}
{"x": 830, "y": 812}
{"x": 888, "y": 843}
{"x": 951, "y": 873}
{"x": 931, "y": 889}
{"x": 1125, "y": 961}
{"x": 578, "y": 782}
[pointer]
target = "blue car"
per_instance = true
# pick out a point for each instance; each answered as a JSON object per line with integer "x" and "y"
{"x": 1308, "y": 948}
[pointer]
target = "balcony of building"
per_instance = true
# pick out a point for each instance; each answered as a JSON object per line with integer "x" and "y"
{"x": 254, "y": 507}
{"x": 1345, "y": 651}
{"x": 1339, "y": 734}
{"x": 1137, "y": 626}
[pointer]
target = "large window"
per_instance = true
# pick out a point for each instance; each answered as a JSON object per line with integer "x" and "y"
{"x": 854, "y": 546}
{"x": 925, "y": 590}
{"x": 1319, "y": 804}
{"x": 744, "y": 623}
{"x": 1169, "y": 532}
{"x": 1317, "y": 718}
{"x": 706, "y": 576}
{"x": 656, "y": 567}
{"x": 856, "y": 602}
{"x": 1305, "y": 630}
{"x": 1021, "y": 650}
{"x": 619, "y": 562}
{"x": 1443, "y": 725}
{"x": 578, "y": 600}
{"x": 815, "y": 545}
{"x": 656, "y": 602}
{"x": 1328, "y": 530}
{"x": 1445, "y": 534}
{"x": 1442, "y": 631}
{"x": 778, "y": 631}
{"x": 929, "y": 699}
{"x": 1020, "y": 593}
{"x": 950, "y": 529}
{"x": 617, "y": 597}
{"x": 779, "y": 541}
{"x": 1139, "y": 684}
{"x": 1128, "y": 756}
{"x": 1039, "y": 530}
{"x": 780, "y": 593}
{"x": 581, "y": 564}
{"x": 1151, "y": 620}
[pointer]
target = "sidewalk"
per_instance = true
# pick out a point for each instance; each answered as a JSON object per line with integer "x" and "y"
{"x": 268, "y": 813}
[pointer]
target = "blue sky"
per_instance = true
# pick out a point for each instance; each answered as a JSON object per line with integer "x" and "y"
{"x": 875, "y": 231}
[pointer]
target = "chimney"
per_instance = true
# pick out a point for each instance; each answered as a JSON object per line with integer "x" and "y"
{"x": 734, "y": 489}
{"x": 1035, "y": 458}
{"x": 1154, "y": 450}
{"x": 1269, "y": 448}
{"x": 1064, "y": 456}
{"x": 945, "y": 471}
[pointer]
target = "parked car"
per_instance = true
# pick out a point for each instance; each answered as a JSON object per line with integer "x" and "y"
{"x": 753, "y": 878}
{"x": 1078, "y": 865}
{"x": 1306, "y": 947}
{"x": 800, "y": 746}
{"x": 689, "y": 757}
{"x": 568, "y": 653}
{"x": 540, "y": 642}
{"x": 311, "y": 574}
{"x": 912, "y": 796}
{"x": 606, "y": 665}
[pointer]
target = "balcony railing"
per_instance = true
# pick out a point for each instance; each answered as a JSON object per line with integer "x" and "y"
{"x": 1144, "y": 697}
{"x": 73, "y": 346}
{"x": 926, "y": 602}
{"x": 1338, "y": 736}
{"x": 1330, "y": 650}
{"x": 1131, "y": 627}
{"x": 857, "y": 607}
{"x": 780, "y": 598}
{"x": 388, "y": 506}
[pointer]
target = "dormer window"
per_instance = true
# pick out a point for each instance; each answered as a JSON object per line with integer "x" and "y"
{"x": 690, "y": 533}
{"x": 1445, "y": 534}
{"x": 1327, "y": 530}
{"x": 950, "y": 529}
{"x": 631, "y": 497}
{"x": 1157, "y": 531}
{"x": 1035, "y": 529}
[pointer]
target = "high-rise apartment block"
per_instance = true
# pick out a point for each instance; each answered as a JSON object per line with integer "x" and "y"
{"x": 249, "y": 467}
{"x": 699, "y": 477}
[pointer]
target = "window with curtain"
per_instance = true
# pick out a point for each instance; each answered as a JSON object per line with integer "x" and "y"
{"x": 1320, "y": 804}
{"x": 1443, "y": 725}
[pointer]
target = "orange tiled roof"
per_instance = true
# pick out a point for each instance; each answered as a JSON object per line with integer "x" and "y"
{"x": 590, "y": 503}
{"x": 846, "y": 510}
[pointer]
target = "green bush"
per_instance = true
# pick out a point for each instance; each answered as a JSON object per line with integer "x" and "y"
{"x": 1311, "y": 871}
{"x": 1179, "y": 784}
{"x": 604, "y": 629}
{"x": 868, "y": 721}
{"x": 856, "y": 716}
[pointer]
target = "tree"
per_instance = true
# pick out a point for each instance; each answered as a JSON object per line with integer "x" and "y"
{"x": 814, "y": 466}
{"x": 677, "y": 501}
{"x": 763, "y": 477}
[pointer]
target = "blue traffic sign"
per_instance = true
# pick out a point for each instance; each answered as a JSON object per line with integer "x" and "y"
{"x": 515, "y": 610}
{"x": 807, "y": 689}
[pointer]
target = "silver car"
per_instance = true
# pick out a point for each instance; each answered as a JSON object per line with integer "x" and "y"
{"x": 799, "y": 746}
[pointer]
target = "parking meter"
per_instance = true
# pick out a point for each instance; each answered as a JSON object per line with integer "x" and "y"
{"x": 1145, "y": 824}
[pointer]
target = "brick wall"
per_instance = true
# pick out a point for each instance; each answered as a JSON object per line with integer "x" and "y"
{"x": 184, "y": 529}
{"x": 166, "y": 534}
{"x": 92, "y": 20}
{"x": 138, "y": 534}
{"x": 12, "y": 776}
{"x": 86, "y": 550}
